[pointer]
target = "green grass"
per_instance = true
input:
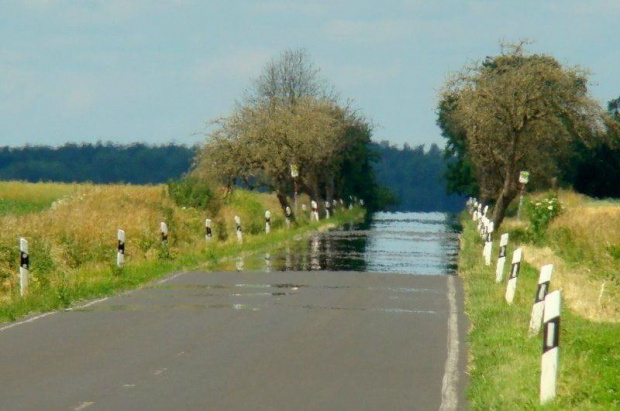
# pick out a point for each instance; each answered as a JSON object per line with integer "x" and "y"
{"x": 505, "y": 363}
{"x": 22, "y": 198}
{"x": 87, "y": 282}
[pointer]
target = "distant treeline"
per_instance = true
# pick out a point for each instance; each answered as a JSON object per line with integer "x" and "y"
{"x": 413, "y": 175}
{"x": 99, "y": 163}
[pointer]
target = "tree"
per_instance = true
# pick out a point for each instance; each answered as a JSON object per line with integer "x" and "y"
{"x": 520, "y": 111}
{"x": 595, "y": 170}
{"x": 459, "y": 174}
{"x": 258, "y": 143}
{"x": 290, "y": 116}
{"x": 288, "y": 78}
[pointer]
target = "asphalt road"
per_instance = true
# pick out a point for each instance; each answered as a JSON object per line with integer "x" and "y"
{"x": 246, "y": 341}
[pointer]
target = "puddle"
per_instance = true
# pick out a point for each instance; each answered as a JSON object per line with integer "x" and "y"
{"x": 292, "y": 287}
{"x": 403, "y": 243}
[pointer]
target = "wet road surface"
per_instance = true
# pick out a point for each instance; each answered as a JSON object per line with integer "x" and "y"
{"x": 402, "y": 243}
{"x": 279, "y": 340}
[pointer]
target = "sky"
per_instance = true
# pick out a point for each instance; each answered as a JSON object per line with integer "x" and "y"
{"x": 157, "y": 71}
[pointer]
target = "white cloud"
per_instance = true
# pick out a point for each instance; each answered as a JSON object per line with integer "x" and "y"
{"x": 379, "y": 31}
{"x": 306, "y": 8}
{"x": 79, "y": 93}
{"x": 238, "y": 66}
{"x": 349, "y": 75}
{"x": 103, "y": 10}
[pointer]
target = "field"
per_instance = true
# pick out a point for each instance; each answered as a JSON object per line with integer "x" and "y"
{"x": 71, "y": 230}
{"x": 582, "y": 244}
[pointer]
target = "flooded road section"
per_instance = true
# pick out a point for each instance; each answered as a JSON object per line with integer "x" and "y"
{"x": 403, "y": 243}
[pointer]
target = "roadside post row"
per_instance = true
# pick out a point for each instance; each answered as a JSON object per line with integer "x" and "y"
{"x": 24, "y": 259}
{"x": 24, "y": 263}
{"x": 546, "y": 308}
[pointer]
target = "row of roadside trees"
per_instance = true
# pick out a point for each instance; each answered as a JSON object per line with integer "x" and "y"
{"x": 518, "y": 111}
{"x": 291, "y": 119}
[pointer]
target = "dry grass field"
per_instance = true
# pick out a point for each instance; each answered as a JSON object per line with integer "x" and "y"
{"x": 583, "y": 244}
{"x": 72, "y": 229}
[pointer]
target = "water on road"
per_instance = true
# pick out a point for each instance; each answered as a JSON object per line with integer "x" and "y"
{"x": 403, "y": 243}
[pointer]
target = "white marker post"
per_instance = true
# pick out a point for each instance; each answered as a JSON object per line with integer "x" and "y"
{"x": 482, "y": 222}
{"x": 24, "y": 266}
{"x": 163, "y": 228}
{"x": 239, "y": 232}
{"x": 539, "y": 301}
{"x": 304, "y": 208}
{"x": 267, "y": 222}
{"x": 501, "y": 261}
{"x": 314, "y": 216}
{"x": 120, "y": 255}
{"x": 294, "y": 175}
{"x": 327, "y": 210}
{"x": 514, "y": 273}
{"x": 267, "y": 262}
{"x": 524, "y": 178}
{"x": 551, "y": 349}
{"x": 208, "y": 230}
{"x": 288, "y": 217}
{"x": 488, "y": 245}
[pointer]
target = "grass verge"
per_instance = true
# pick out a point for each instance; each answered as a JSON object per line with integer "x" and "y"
{"x": 72, "y": 243}
{"x": 504, "y": 363}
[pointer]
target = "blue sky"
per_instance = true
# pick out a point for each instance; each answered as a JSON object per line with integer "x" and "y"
{"x": 157, "y": 70}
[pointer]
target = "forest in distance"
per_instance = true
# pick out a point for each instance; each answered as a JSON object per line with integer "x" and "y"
{"x": 413, "y": 174}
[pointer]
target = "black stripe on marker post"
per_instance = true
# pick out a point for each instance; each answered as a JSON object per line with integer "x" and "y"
{"x": 121, "y": 247}
{"x": 541, "y": 291}
{"x": 553, "y": 324}
{"x": 514, "y": 271}
{"x": 24, "y": 260}
{"x": 502, "y": 252}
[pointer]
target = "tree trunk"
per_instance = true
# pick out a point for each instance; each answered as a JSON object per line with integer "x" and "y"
{"x": 508, "y": 193}
{"x": 509, "y": 190}
{"x": 284, "y": 203}
{"x": 329, "y": 190}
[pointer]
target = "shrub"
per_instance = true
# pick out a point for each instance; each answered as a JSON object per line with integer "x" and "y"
{"x": 541, "y": 213}
{"x": 193, "y": 192}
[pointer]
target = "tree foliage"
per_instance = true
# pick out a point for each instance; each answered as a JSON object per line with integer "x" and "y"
{"x": 594, "y": 169}
{"x": 416, "y": 178}
{"x": 289, "y": 117}
{"x": 98, "y": 163}
{"x": 519, "y": 111}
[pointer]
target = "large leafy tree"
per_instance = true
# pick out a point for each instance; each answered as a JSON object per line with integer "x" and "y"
{"x": 519, "y": 111}
{"x": 257, "y": 144}
{"x": 290, "y": 116}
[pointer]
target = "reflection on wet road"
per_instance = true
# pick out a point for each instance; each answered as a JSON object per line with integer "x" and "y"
{"x": 404, "y": 243}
